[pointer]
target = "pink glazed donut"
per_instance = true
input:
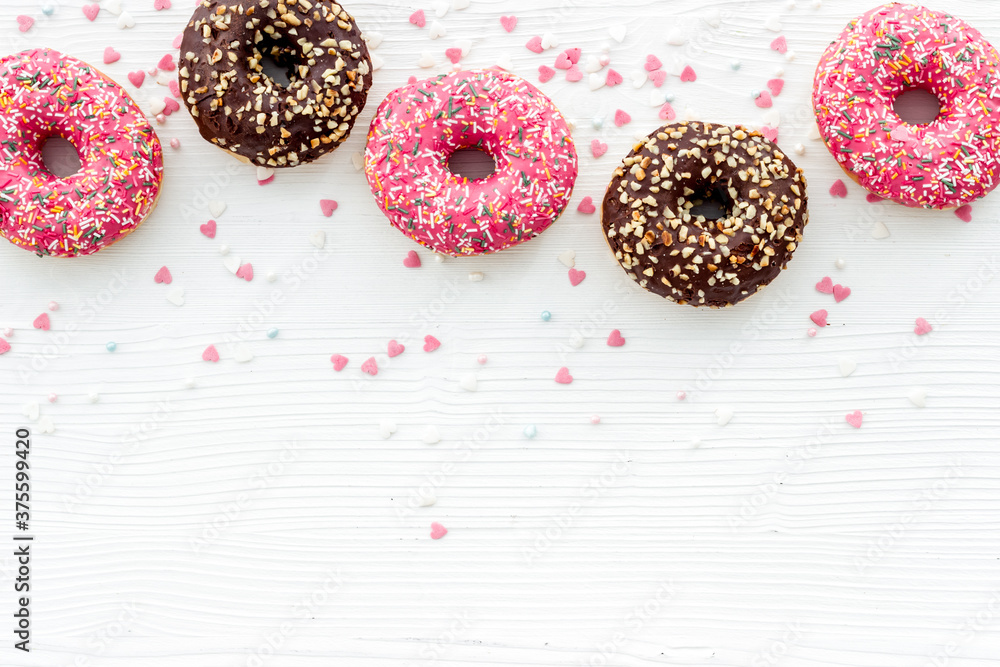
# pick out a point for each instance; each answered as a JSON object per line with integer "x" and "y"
{"x": 44, "y": 93}
{"x": 948, "y": 163}
{"x": 416, "y": 130}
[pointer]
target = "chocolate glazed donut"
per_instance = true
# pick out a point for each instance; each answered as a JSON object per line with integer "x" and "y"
{"x": 242, "y": 110}
{"x": 672, "y": 251}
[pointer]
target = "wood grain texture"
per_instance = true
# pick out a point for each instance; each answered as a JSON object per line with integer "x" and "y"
{"x": 258, "y": 518}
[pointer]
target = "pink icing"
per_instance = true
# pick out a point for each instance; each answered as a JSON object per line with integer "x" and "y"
{"x": 44, "y": 93}
{"x": 945, "y": 164}
{"x": 418, "y": 127}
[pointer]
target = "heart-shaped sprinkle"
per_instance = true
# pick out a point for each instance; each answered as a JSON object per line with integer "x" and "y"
{"x": 170, "y": 105}
{"x": 964, "y": 213}
{"x": 242, "y": 354}
{"x": 437, "y": 30}
{"x": 873, "y": 199}
{"x": 652, "y": 63}
{"x": 688, "y": 75}
{"x": 508, "y": 23}
{"x": 596, "y": 81}
{"x": 177, "y": 41}
{"x": 30, "y": 410}
{"x": 24, "y": 23}
{"x": 125, "y": 21}
{"x": 667, "y": 112}
{"x": 210, "y": 354}
{"x": 167, "y": 63}
{"x": 208, "y": 229}
{"x": 438, "y": 531}
{"x": 586, "y": 206}
{"x": 90, "y": 11}
{"x": 563, "y": 376}
{"x": 574, "y": 54}
{"x": 176, "y": 295}
{"x": 231, "y": 262}
{"x": 110, "y": 55}
{"x": 838, "y": 189}
{"x": 418, "y": 19}
{"x": 764, "y": 100}
{"x": 469, "y": 382}
{"x": 163, "y": 276}
{"x": 819, "y": 317}
{"x": 918, "y": 396}
{"x": 245, "y": 272}
{"x": 854, "y": 418}
{"x": 923, "y": 327}
{"x": 386, "y": 428}
{"x": 431, "y": 343}
{"x": 563, "y": 61}
{"x": 658, "y": 77}
{"x": 453, "y": 54}
{"x": 395, "y": 349}
{"x": 412, "y": 260}
{"x": 622, "y": 118}
{"x": 568, "y": 258}
{"x": 770, "y": 133}
{"x": 535, "y": 44}
{"x": 339, "y": 362}
{"x": 370, "y": 366}
{"x": 780, "y": 44}
{"x": 776, "y": 86}
{"x": 136, "y": 78}
{"x": 160, "y": 5}
{"x": 545, "y": 73}
{"x": 615, "y": 339}
{"x": 328, "y": 206}
{"x": 576, "y": 276}
{"x": 598, "y": 147}
{"x": 42, "y": 322}
{"x": 840, "y": 293}
{"x": 4, "y": 346}
{"x": 825, "y": 286}
{"x": 549, "y": 41}
{"x": 573, "y": 74}
{"x": 847, "y": 367}
{"x": 613, "y": 78}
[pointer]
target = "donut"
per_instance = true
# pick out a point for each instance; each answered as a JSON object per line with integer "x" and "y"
{"x": 417, "y": 129}
{"x": 679, "y": 254}
{"x": 945, "y": 164}
{"x": 242, "y": 110}
{"x": 44, "y": 94}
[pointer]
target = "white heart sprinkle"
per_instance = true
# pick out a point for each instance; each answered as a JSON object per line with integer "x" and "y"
{"x": 45, "y": 425}
{"x": 125, "y": 21}
{"x": 93, "y": 396}
{"x": 318, "y": 238}
{"x": 157, "y": 105}
{"x": 549, "y": 41}
{"x": 773, "y": 23}
{"x": 232, "y": 262}
{"x": 264, "y": 173}
{"x": 476, "y": 276}
{"x": 427, "y": 501}
{"x": 576, "y": 340}
{"x": 918, "y": 396}
{"x": 377, "y": 62}
{"x": 437, "y": 30}
{"x": 596, "y": 81}
{"x": 468, "y": 382}
{"x": 723, "y": 415}
{"x": 618, "y": 32}
{"x": 677, "y": 37}
{"x": 568, "y": 258}
{"x": 639, "y": 78}
{"x": 113, "y": 6}
{"x": 386, "y": 428}
{"x": 176, "y": 295}
{"x": 242, "y": 353}
{"x": 216, "y": 207}
{"x": 847, "y": 366}
{"x": 459, "y": 4}
{"x": 657, "y": 98}
{"x": 441, "y": 8}
{"x": 373, "y": 38}
{"x": 712, "y": 17}
{"x": 164, "y": 78}
{"x": 465, "y": 45}
{"x": 879, "y": 230}
{"x": 431, "y": 436}
{"x": 426, "y": 60}
{"x": 814, "y": 132}
{"x": 592, "y": 64}
{"x": 358, "y": 160}
{"x": 772, "y": 117}
{"x": 30, "y": 410}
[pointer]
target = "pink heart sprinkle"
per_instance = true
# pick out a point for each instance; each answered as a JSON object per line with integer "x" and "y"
{"x": 210, "y": 354}
{"x": 586, "y": 206}
{"x": 339, "y": 362}
{"x": 167, "y": 63}
{"x": 170, "y": 105}
{"x": 923, "y": 327}
{"x": 110, "y": 55}
{"x": 370, "y": 366}
{"x": 412, "y": 260}
{"x": 840, "y": 293}
{"x": 395, "y": 349}
{"x": 819, "y": 318}
{"x": 4, "y": 346}
{"x": 42, "y": 322}
{"x": 208, "y": 229}
{"x": 545, "y": 73}
{"x": 576, "y": 276}
{"x": 177, "y": 41}
{"x": 453, "y": 54}
{"x": 563, "y": 376}
{"x": 598, "y": 147}
{"x": 770, "y": 133}
{"x": 825, "y": 286}
{"x": 622, "y": 118}
{"x": 90, "y": 11}
{"x": 652, "y": 63}
{"x": 615, "y": 339}
{"x": 574, "y": 54}
{"x": 438, "y": 531}
{"x": 776, "y": 86}
{"x": 508, "y": 23}
{"x": 873, "y": 199}
{"x": 764, "y": 100}
{"x": 328, "y": 206}
{"x": 901, "y": 133}
{"x": 160, "y": 5}
{"x": 563, "y": 61}
{"x": 854, "y": 419}
{"x": 535, "y": 44}
{"x": 136, "y": 78}
{"x": 163, "y": 276}
{"x": 667, "y": 112}
{"x": 24, "y": 23}
{"x": 613, "y": 78}
{"x": 418, "y": 19}
{"x": 175, "y": 89}
{"x": 431, "y": 343}
{"x": 573, "y": 74}
{"x": 658, "y": 78}
{"x": 964, "y": 213}
{"x": 245, "y": 272}
{"x": 688, "y": 75}
{"x": 838, "y": 189}
{"x": 780, "y": 44}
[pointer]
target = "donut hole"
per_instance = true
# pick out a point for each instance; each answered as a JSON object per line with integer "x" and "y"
{"x": 472, "y": 163}
{"x": 60, "y": 157}
{"x": 714, "y": 204}
{"x": 279, "y": 74}
{"x": 917, "y": 106}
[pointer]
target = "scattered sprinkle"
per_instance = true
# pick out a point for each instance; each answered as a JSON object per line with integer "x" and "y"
{"x": 438, "y": 531}
{"x": 854, "y": 418}
{"x": 210, "y": 354}
{"x": 111, "y": 346}
{"x": 615, "y": 339}
{"x": 838, "y": 189}
{"x": 530, "y": 431}
{"x": 339, "y": 362}
{"x": 395, "y": 349}
{"x": 272, "y": 332}
{"x": 412, "y": 260}
{"x": 431, "y": 343}
{"x": 819, "y": 317}
{"x": 163, "y": 276}
{"x": 563, "y": 376}
{"x": 923, "y": 327}
{"x": 576, "y": 276}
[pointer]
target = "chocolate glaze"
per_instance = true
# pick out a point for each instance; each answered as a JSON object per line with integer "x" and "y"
{"x": 669, "y": 251}
{"x": 240, "y": 109}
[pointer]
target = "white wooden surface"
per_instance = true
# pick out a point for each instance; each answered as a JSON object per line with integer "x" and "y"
{"x": 260, "y": 518}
